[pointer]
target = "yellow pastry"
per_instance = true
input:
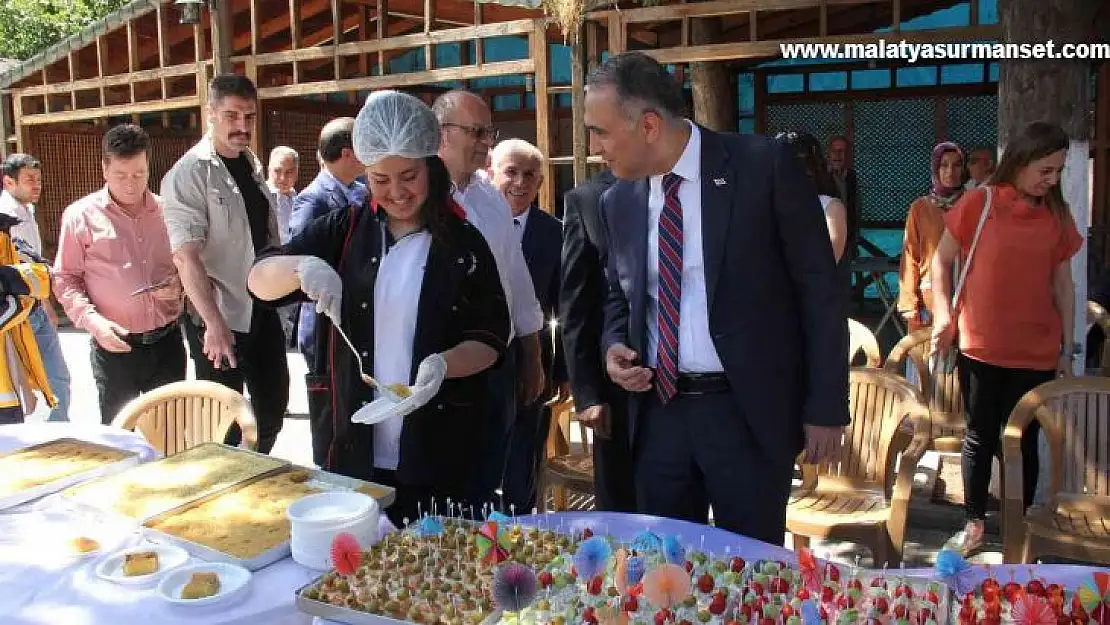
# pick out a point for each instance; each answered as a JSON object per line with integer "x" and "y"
{"x": 30, "y": 468}
{"x": 135, "y": 564}
{"x": 84, "y": 545}
{"x": 404, "y": 391}
{"x": 201, "y": 585}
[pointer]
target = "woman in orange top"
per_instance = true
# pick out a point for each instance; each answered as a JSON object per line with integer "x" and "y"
{"x": 1017, "y": 308}
{"x": 924, "y": 226}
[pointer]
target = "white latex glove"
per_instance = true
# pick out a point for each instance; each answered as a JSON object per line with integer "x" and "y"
{"x": 322, "y": 285}
{"x": 429, "y": 377}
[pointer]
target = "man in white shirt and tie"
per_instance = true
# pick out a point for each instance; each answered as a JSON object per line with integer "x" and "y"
{"x": 467, "y": 136}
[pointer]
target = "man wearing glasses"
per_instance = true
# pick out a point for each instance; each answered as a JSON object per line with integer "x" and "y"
{"x": 467, "y": 131}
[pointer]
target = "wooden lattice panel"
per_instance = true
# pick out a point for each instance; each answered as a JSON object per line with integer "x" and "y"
{"x": 973, "y": 122}
{"x": 71, "y": 167}
{"x": 893, "y": 142}
{"x": 823, "y": 120}
{"x": 299, "y": 128}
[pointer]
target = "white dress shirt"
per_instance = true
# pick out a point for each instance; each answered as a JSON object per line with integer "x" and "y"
{"x": 283, "y": 210}
{"x": 520, "y": 222}
{"x": 487, "y": 209}
{"x": 696, "y": 352}
{"x": 396, "y": 301}
{"x": 27, "y": 229}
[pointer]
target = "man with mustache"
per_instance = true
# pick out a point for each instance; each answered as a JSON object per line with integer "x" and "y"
{"x": 219, "y": 213}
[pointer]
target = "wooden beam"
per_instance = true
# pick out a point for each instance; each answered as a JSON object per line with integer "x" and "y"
{"x": 137, "y": 108}
{"x": 579, "y": 141}
{"x": 99, "y": 71}
{"x": 163, "y": 54}
{"x": 72, "y": 78}
{"x": 412, "y": 79}
{"x": 479, "y": 51}
{"x": 222, "y": 26}
{"x": 429, "y": 24}
{"x": 617, "y": 41}
{"x": 539, "y": 54}
{"x": 17, "y": 114}
{"x": 753, "y": 26}
{"x": 770, "y": 49}
{"x": 254, "y": 26}
{"x": 896, "y": 15}
{"x": 714, "y": 8}
{"x": 202, "y": 75}
{"x": 294, "y": 35}
{"x": 383, "y": 25}
{"x": 132, "y": 58}
{"x": 250, "y": 70}
{"x": 5, "y": 126}
{"x": 974, "y": 17}
{"x": 823, "y": 19}
{"x": 336, "y": 38}
{"x": 404, "y": 42}
{"x": 114, "y": 81}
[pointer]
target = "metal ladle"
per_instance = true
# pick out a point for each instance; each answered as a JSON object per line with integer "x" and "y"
{"x": 366, "y": 377}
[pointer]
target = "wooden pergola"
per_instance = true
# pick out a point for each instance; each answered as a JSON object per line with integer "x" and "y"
{"x": 142, "y": 62}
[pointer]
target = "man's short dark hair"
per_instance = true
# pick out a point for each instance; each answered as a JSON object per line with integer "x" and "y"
{"x": 641, "y": 82}
{"x": 227, "y": 85}
{"x": 125, "y": 141}
{"x": 336, "y": 135}
{"x": 16, "y": 163}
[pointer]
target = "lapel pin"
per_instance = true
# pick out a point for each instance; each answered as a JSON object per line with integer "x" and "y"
{"x": 720, "y": 182}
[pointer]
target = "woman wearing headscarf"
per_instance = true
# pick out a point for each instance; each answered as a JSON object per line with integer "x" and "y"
{"x": 416, "y": 289}
{"x": 1016, "y": 311}
{"x": 924, "y": 227}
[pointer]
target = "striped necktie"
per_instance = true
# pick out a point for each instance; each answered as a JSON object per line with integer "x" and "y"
{"x": 670, "y": 288}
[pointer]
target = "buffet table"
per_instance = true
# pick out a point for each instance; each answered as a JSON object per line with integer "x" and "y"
{"x": 43, "y": 583}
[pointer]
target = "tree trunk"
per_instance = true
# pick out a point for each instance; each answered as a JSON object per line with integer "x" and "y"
{"x": 715, "y": 96}
{"x": 1052, "y": 90}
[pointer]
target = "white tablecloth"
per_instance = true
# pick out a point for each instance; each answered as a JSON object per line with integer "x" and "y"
{"x": 39, "y": 585}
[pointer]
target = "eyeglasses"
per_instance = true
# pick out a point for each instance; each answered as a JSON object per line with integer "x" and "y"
{"x": 475, "y": 132}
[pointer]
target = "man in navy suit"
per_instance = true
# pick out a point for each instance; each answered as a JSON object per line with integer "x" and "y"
{"x": 517, "y": 171}
{"x": 598, "y": 403}
{"x": 335, "y": 187}
{"x": 724, "y": 317}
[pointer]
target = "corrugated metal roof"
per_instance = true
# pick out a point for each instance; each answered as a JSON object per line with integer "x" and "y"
{"x": 137, "y": 8}
{"x": 126, "y": 13}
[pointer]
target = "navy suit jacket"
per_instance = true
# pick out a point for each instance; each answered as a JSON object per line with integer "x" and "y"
{"x": 542, "y": 243}
{"x": 319, "y": 198}
{"x": 774, "y": 298}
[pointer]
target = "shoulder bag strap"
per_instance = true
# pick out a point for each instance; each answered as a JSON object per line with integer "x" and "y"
{"x": 971, "y": 251}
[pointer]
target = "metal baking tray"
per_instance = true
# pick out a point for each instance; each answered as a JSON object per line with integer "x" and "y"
{"x": 313, "y": 607}
{"x": 322, "y": 480}
{"x": 72, "y": 496}
{"x": 131, "y": 459}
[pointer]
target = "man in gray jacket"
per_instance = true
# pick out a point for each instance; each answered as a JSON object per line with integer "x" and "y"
{"x": 219, "y": 213}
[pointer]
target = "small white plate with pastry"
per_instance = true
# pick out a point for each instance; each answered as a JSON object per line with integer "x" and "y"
{"x": 141, "y": 566}
{"x": 203, "y": 584}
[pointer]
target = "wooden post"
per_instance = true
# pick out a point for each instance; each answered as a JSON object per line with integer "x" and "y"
{"x": 429, "y": 24}
{"x": 163, "y": 52}
{"x": 295, "y": 35}
{"x": 99, "y": 70}
{"x": 383, "y": 32}
{"x": 1057, "y": 91}
{"x": 538, "y": 44}
{"x": 17, "y": 112}
{"x": 617, "y": 39}
{"x": 202, "y": 77}
{"x": 714, "y": 94}
{"x": 479, "y": 52}
{"x": 5, "y": 127}
{"x": 222, "y": 28}
{"x": 254, "y": 27}
{"x": 72, "y": 78}
{"x": 250, "y": 70}
{"x": 363, "y": 35}
{"x": 579, "y": 147}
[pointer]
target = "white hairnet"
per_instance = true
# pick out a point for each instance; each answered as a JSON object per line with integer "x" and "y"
{"x": 392, "y": 123}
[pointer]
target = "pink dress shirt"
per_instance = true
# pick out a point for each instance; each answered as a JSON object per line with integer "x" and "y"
{"x": 105, "y": 255}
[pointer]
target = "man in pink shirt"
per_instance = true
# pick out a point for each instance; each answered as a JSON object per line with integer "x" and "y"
{"x": 115, "y": 277}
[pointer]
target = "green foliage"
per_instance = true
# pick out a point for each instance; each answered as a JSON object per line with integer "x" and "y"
{"x": 28, "y": 27}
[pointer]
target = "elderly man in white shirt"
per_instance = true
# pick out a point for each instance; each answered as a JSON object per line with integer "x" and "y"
{"x": 283, "y": 170}
{"x": 467, "y": 136}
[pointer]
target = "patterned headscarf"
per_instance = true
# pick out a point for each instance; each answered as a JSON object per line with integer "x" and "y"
{"x": 942, "y": 194}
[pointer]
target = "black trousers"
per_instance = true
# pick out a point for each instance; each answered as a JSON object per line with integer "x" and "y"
{"x": 614, "y": 490}
{"x": 990, "y": 394}
{"x": 412, "y": 502}
{"x": 697, "y": 451}
{"x": 121, "y": 377}
{"x": 502, "y": 382}
{"x": 12, "y": 415}
{"x": 263, "y": 368}
{"x": 527, "y": 436}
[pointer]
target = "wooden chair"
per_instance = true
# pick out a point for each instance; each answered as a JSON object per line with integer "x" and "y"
{"x": 562, "y": 467}
{"x": 1074, "y": 521}
{"x": 1097, "y": 315}
{"x": 181, "y": 415}
{"x": 850, "y": 497}
{"x": 941, "y": 392}
{"x": 862, "y": 339}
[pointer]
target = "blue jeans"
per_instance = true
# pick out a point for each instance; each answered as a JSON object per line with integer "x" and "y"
{"x": 57, "y": 373}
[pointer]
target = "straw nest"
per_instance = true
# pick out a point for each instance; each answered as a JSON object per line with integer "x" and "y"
{"x": 569, "y": 14}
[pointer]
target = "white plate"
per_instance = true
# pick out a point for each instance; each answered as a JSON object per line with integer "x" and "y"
{"x": 232, "y": 580}
{"x": 169, "y": 557}
{"x": 383, "y": 408}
